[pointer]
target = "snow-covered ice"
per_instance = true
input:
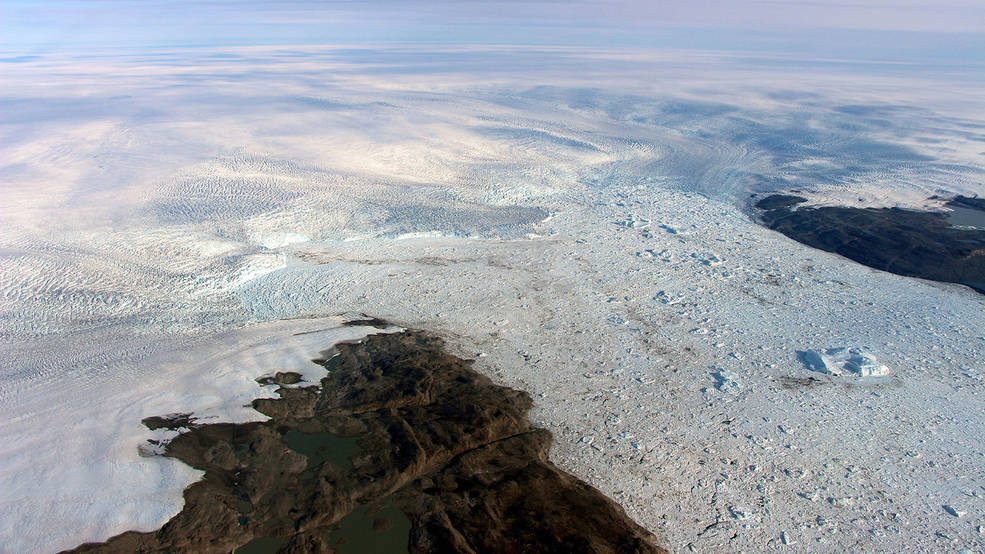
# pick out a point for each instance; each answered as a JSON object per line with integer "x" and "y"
{"x": 96, "y": 480}
{"x": 580, "y": 227}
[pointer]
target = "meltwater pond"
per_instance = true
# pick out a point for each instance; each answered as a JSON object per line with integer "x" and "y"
{"x": 967, "y": 212}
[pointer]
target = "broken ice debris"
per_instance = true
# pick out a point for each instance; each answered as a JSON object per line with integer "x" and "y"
{"x": 726, "y": 381}
{"x": 634, "y": 222}
{"x": 669, "y": 299}
{"x": 707, "y": 258}
{"x": 835, "y": 361}
{"x": 954, "y": 511}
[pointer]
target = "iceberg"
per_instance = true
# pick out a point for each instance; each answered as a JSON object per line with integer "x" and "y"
{"x": 859, "y": 361}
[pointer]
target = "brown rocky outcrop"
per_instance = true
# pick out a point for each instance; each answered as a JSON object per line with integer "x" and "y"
{"x": 402, "y": 448}
{"x": 912, "y": 243}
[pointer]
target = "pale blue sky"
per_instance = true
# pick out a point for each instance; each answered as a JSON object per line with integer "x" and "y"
{"x": 883, "y": 29}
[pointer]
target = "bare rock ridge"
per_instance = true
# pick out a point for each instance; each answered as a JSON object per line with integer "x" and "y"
{"x": 403, "y": 448}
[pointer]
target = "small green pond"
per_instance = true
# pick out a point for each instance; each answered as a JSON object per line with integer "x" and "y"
{"x": 322, "y": 447}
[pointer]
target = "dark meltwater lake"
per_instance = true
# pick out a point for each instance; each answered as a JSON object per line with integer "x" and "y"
{"x": 961, "y": 216}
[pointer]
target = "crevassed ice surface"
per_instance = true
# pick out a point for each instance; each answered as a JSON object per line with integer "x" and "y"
{"x": 578, "y": 223}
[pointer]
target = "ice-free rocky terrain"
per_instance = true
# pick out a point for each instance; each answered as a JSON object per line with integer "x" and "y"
{"x": 399, "y": 448}
{"x": 946, "y": 245}
{"x": 576, "y": 229}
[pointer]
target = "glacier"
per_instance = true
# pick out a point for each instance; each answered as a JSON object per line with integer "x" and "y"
{"x": 174, "y": 227}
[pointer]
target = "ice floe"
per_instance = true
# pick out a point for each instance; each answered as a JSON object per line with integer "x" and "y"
{"x": 858, "y": 361}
